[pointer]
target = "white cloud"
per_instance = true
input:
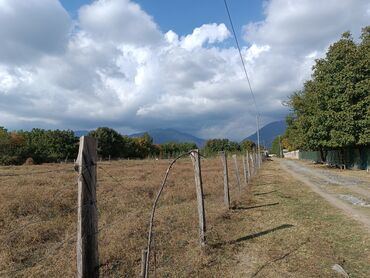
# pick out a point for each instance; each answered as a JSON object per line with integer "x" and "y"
{"x": 118, "y": 69}
{"x": 210, "y": 33}
{"x": 307, "y": 24}
{"x": 119, "y": 21}
{"x": 30, "y": 29}
{"x": 255, "y": 51}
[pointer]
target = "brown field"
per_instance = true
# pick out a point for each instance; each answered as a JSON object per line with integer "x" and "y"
{"x": 278, "y": 227}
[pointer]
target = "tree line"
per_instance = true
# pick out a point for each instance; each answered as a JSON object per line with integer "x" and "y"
{"x": 332, "y": 111}
{"x": 46, "y": 146}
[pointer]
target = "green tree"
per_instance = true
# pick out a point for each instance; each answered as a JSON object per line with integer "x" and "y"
{"x": 173, "y": 149}
{"x": 49, "y": 145}
{"x": 247, "y": 145}
{"x": 276, "y": 147}
{"x": 110, "y": 142}
{"x": 213, "y": 146}
{"x": 332, "y": 110}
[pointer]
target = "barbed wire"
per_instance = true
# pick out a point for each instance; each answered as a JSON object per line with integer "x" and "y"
{"x": 50, "y": 251}
{"x": 55, "y": 196}
{"x": 151, "y": 221}
{"x": 109, "y": 174}
{"x": 105, "y": 227}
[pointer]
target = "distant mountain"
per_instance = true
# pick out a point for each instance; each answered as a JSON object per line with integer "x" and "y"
{"x": 79, "y": 133}
{"x": 268, "y": 133}
{"x": 161, "y": 136}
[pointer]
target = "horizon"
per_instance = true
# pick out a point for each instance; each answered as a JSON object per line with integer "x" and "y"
{"x": 158, "y": 129}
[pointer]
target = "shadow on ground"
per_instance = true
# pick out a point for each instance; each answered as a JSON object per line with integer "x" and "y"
{"x": 264, "y": 193}
{"x": 253, "y": 207}
{"x": 252, "y": 236}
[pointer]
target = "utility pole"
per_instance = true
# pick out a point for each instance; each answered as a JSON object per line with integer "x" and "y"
{"x": 258, "y": 138}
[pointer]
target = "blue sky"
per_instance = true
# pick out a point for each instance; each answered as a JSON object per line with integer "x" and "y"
{"x": 182, "y": 16}
{"x": 136, "y": 65}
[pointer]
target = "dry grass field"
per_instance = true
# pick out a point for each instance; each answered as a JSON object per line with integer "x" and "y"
{"x": 277, "y": 228}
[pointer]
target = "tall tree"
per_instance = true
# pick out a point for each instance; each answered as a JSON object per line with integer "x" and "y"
{"x": 332, "y": 110}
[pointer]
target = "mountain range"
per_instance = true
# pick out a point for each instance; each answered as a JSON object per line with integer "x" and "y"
{"x": 164, "y": 135}
{"x": 268, "y": 133}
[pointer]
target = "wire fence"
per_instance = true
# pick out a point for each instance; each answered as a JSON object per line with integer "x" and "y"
{"x": 69, "y": 236}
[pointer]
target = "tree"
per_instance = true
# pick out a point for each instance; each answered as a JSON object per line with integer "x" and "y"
{"x": 173, "y": 149}
{"x": 276, "y": 147}
{"x": 362, "y": 89}
{"x": 332, "y": 110}
{"x": 247, "y": 145}
{"x": 110, "y": 142}
{"x": 214, "y": 146}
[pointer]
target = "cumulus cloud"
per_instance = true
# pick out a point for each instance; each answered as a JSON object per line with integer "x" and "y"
{"x": 117, "y": 67}
{"x": 32, "y": 28}
{"x": 119, "y": 21}
{"x": 206, "y": 33}
{"x": 307, "y": 25}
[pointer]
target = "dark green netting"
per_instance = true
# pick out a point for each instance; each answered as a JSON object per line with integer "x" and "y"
{"x": 350, "y": 157}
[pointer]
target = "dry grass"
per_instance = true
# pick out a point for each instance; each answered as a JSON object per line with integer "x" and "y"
{"x": 278, "y": 228}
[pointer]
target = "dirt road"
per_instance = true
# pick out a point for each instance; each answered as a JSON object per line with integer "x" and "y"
{"x": 348, "y": 193}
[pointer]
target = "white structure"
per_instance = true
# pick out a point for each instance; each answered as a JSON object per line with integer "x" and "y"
{"x": 292, "y": 154}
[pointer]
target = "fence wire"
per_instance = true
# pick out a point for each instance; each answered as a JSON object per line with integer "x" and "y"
{"x": 42, "y": 260}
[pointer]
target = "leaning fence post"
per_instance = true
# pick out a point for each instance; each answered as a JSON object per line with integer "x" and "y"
{"x": 87, "y": 227}
{"x": 194, "y": 155}
{"x": 226, "y": 180}
{"x": 236, "y": 171}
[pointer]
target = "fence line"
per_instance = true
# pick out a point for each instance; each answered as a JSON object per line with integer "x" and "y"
{"x": 251, "y": 161}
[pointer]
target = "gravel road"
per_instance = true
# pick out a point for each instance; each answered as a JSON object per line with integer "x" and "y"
{"x": 358, "y": 189}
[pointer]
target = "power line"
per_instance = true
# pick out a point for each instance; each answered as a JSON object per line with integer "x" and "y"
{"x": 246, "y": 75}
{"x": 241, "y": 56}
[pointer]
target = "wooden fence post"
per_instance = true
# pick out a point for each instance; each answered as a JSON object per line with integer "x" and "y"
{"x": 194, "y": 155}
{"x": 255, "y": 163}
{"x": 236, "y": 171}
{"x": 248, "y": 167}
{"x": 87, "y": 227}
{"x": 244, "y": 169}
{"x": 259, "y": 160}
{"x": 252, "y": 164}
{"x": 226, "y": 180}
{"x": 143, "y": 263}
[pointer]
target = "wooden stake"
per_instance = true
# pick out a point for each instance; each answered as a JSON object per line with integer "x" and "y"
{"x": 143, "y": 262}
{"x": 226, "y": 180}
{"x": 236, "y": 171}
{"x": 194, "y": 155}
{"x": 87, "y": 228}
{"x": 252, "y": 165}
{"x": 244, "y": 170}
{"x": 248, "y": 167}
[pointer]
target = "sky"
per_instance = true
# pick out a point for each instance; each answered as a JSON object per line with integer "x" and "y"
{"x": 140, "y": 65}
